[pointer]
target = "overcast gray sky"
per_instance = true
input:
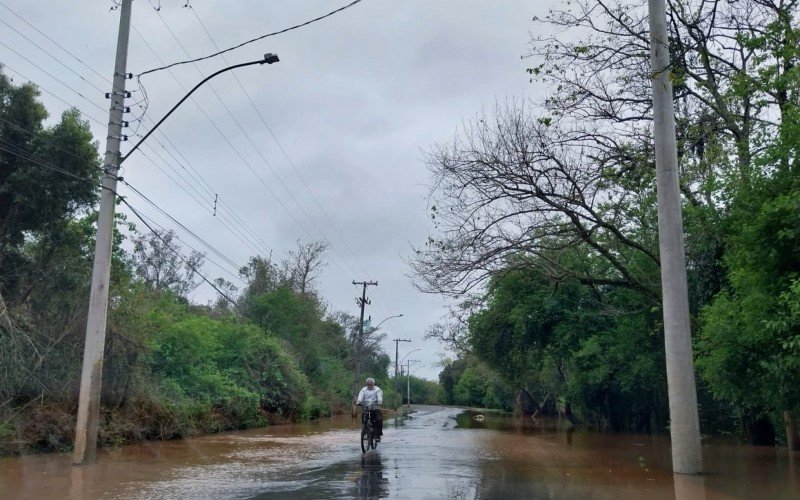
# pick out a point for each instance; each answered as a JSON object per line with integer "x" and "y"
{"x": 353, "y": 104}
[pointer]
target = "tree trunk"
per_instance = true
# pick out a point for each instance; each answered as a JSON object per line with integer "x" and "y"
{"x": 759, "y": 430}
{"x": 525, "y": 403}
{"x": 792, "y": 434}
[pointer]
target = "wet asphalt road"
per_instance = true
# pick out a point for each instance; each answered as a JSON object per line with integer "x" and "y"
{"x": 435, "y": 452}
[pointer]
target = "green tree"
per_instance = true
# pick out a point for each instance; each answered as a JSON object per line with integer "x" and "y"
{"x": 47, "y": 176}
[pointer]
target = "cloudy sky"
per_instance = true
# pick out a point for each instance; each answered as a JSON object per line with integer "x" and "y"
{"x": 325, "y": 145}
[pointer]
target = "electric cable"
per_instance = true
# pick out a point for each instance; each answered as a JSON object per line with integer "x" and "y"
{"x": 288, "y": 159}
{"x": 354, "y": 2}
{"x": 190, "y": 266}
{"x": 230, "y": 144}
{"x": 10, "y": 148}
{"x": 84, "y": 114}
{"x": 255, "y": 148}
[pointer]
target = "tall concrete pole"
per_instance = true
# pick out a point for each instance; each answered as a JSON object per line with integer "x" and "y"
{"x": 362, "y": 302}
{"x": 91, "y": 375}
{"x": 396, "y": 353}
{"x": 684, "y": 422}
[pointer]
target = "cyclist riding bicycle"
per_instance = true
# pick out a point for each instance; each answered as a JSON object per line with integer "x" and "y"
{"x": 371, "y": 396}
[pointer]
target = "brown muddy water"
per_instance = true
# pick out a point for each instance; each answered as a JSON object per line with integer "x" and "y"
{"x": 436, "y": 452}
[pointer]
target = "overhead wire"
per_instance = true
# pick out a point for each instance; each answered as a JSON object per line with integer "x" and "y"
{"x": 4, "y": 146}
{"x": 60, "y": 46}
{"x": 205, "y": 257}
{"x": 238, "y": 219}
{"x": 230, "y": 144}
{"x": 256, "y": 149}
{"x": 99, "y": 122}
{"x": 189, "y": 265}
{"x": 354, "y": 2}
{"x": 45, "y": 90}
{"x": 222, "y": 205}
{"x": 10, "y": 148}
{"x": 289, "y": 160}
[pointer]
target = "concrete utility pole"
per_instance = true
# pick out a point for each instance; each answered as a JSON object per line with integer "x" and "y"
{"x": 396, "y": 352}
{"x": 408, "y": 382}
{"x": 92, "y": 372}
{"x": 362, "y": 301}
{"x": 684, "y": 422}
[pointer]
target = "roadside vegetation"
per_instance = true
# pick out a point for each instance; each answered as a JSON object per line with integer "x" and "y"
{"x": 268, "y": 351}
{"x": 546, "y": 231}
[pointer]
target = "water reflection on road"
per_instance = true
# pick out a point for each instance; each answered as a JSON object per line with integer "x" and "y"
{"x": 434, "y": 453}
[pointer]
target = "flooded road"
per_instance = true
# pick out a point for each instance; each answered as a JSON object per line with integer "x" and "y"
{"x": 436, "y": 452}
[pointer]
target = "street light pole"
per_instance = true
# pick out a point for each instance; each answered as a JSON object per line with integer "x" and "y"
{"x": 92, "y": 370}
{"x": 408, "y": 382}
{"x": 401, "y": 367}
{"x": 268, "y": 59}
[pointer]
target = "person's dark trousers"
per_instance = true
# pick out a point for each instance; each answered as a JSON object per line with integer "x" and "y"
{"x": 379, "y": 422}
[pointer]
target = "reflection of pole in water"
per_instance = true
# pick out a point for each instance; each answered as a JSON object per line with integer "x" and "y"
{"x": 81, "y": 479}
{"x": 689, "y": 487}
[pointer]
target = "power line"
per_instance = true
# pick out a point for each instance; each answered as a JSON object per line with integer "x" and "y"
{"x": 190, "y": 266}
{"x": 11, "y": 148}
{"x": 52, "y": 56}
{"x": 53, "y": 77}
{"x": 253, "y": 40}
{"x": 230, "y": 144}
{"x": 289, "y": 160}
{"x": 221, "y": 267}
{"x": 57, "y": 44}
{"x": 222, "y": 205}
{"x": 61, "y": 149}
{"x": 255, "y": 148}
{"x": 100, "y": 123}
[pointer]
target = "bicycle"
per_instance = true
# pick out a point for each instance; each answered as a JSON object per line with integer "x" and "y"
{"x": 368, "y": 438}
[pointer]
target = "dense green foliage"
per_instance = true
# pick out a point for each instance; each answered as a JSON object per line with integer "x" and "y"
{"x": 551, "y": 209}
{"x": 171, "y": 368}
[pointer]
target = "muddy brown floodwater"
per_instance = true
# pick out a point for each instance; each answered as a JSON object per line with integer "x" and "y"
{"x": 436, "y": 452}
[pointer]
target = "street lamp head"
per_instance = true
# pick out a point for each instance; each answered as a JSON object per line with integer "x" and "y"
{"x": 270, "y": 58}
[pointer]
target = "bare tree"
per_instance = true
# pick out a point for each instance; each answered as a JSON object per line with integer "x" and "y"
{"x": 158, "y": 261}
{"x": 576, "y": 170}
{"x": 511, "y": 186}
{"x": 452, "y": 329}
{"x": 303, "y": 264}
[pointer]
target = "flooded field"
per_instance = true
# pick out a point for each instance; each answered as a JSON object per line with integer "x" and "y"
{"x": 436, "y": 452}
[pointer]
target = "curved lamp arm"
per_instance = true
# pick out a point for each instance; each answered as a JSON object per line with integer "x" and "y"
{"x": 268, "y": 59}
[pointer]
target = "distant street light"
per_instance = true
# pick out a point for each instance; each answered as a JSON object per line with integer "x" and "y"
{"x": 408, "y": 380}
{"x": 409, "y": 352}
{"x": 375, "y": 328}
{"x": 385, "y": 320}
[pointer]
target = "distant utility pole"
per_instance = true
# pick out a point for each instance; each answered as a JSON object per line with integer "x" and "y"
{"x": 408, "y": 382}
{"x": 92, "y": 372}
{"x": 684, "y": 423}
{"x": 362, "y": 302}
{"x": 396, "y": 352}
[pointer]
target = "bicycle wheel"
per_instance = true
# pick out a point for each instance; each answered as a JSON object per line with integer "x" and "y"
{"x": 366, "y": 436}
{"x": 372, "y": 443}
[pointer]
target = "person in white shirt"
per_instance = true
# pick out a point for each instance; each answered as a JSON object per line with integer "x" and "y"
{"x": 372, "y": 396}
